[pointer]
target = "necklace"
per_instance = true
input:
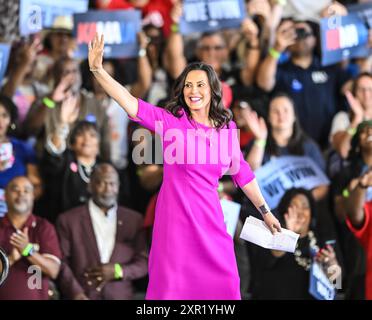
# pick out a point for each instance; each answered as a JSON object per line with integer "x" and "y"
{"x": 85, "y": 171}
{"x": 304, "y": 261}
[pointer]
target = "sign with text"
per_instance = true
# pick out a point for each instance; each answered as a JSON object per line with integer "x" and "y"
{"x": 211, "y": 15}
{"x": 119, "y": 29}
{"x": 344, "y": 37}
{"x": 34, "y": 15}
{"x": 4, "y": 57}
{"x": 231, "y": 212}
{"x": 283, "y": 173}
{"x": 320, "y": 287}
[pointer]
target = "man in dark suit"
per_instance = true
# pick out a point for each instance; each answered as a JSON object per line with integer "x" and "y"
{"x": 103, "y": 245}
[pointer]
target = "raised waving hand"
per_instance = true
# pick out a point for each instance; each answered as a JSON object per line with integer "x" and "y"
{"x": 113, "y": 88}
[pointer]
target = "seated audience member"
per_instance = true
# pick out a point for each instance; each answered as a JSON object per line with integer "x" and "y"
{"x": 281, "y": 275}
{"x": 103, "y": 245}
{"x": 16, "y": 157}
{"x": 66, "y": 169}
{"x": 31, "y": 244}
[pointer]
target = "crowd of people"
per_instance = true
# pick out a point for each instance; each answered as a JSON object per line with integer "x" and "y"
{"x": 75, "y": 203}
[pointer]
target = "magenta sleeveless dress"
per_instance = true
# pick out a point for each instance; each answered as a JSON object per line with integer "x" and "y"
{"x": 192, "y": 255}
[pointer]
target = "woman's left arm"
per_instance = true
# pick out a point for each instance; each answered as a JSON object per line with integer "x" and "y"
{"x": 253, "y": 192}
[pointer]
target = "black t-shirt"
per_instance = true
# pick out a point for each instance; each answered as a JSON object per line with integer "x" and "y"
{"x": 316, "y": 93}
{"x": 280, "y": 278}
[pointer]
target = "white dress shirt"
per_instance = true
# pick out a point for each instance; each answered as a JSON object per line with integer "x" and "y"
{"x": 104, "y": 227}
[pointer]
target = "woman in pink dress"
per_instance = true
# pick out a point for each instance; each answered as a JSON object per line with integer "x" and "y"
{"x": 192, "y": 255}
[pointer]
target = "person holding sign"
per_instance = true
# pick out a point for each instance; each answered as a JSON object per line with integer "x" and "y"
{"x": 279, "y": 275}
{"x": 190, "y": 240}
{"x": 282, "y": 136}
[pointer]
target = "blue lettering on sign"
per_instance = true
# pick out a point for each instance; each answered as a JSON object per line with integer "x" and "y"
{"x": 128, "y": 32}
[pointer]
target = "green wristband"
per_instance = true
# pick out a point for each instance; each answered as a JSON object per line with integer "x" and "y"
{"x": 260, "y": 143}
{"x": 220, "y": 187}
{"x": 345, "y": 193}
{"x": 175, "y": 28}
{"x": 118, "y": 271}
{"x": 274, "y": 53}
{"x": 49, "y": 103}
{"x": 27, "y": 250}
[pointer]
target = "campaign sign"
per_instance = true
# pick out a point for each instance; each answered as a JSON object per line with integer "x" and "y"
{"x": 119, "y": 29}
{"x": 343, "y": 37}
{"x": 4, "y": 57}
{"x": 211, "y": 15}
{"x": 231, "y": 212}
{"x": 320, "y": 287}
{"x": 35, "y": 15}
{"x": 364, "y": 10}
{"x": 283, "y": 173}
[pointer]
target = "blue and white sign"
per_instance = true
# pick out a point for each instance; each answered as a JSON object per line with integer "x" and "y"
{"x": 320, "y": 287}
{"x": 34, "y": 15}
{"x": 231, "y": 212}
{"x": 211, "y": 15}
{"x": 283, "y": 173}
{"x": 343, "y": 37}
{"x": 4, "y": 57}
{"x": 119, "y": 29}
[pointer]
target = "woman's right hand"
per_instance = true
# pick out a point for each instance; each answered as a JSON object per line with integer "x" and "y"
{"x": 255, "y": 123}
{"x": 95, "y": 52}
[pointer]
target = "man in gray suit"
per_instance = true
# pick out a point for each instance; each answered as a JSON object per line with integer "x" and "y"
{"x": 103, "y": 245}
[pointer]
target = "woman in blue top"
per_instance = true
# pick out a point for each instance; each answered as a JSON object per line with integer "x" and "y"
{"x": 282, "y": 136}
{"x": 17, "y": 158}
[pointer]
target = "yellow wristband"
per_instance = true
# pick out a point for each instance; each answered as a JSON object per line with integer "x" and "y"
{"x": 175, "y": 28}
{"x": 260, "y": 143}
{"x": 274, "y": 53}
{"x": 351, "y": 131}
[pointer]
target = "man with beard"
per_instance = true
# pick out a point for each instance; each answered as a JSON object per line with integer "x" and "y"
{"x": 103, "y": 245}
{"x": 316, "y": 90}
{"x": 31, "y": 244}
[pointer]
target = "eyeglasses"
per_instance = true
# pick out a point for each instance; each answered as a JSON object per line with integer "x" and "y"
{"x": 210, "y": 48}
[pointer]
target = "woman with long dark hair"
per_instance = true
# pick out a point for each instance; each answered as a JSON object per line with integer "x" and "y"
{"x": 281, "y": 136}
{"x": 192, "y": 255}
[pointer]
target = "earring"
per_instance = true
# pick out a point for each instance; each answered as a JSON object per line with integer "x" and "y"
{"x": 13, "y": 126}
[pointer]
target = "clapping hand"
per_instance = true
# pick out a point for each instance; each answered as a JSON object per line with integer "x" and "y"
{"x": 256, "y": 124}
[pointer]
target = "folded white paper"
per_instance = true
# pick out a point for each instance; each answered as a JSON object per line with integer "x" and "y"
{"x": 256, "y": 231}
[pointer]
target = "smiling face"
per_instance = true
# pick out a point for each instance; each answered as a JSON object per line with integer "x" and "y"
{"x": 86, "y": 143}
{"x": 197, "y": 91}
{"x": 365, "y": 138}
{"x": 281, "y": 114}
{"x": 300, "y": 203}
